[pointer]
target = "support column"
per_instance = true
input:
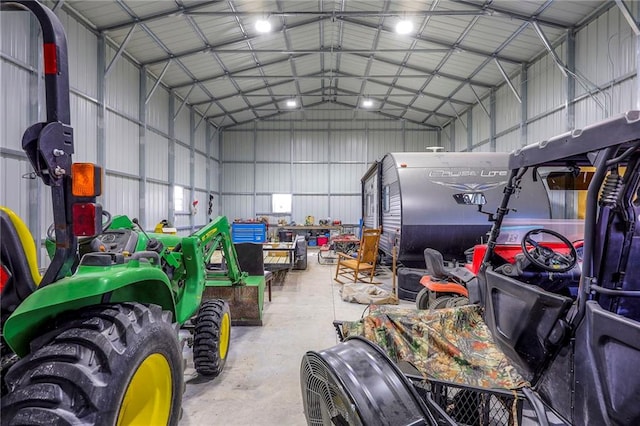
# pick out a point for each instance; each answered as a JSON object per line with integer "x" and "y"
{"x": 470, "y": 130}
{"x": 329, "y": 169}
{"x": 220, "y": 166}
{"x": 171, "y": 163}
{"x": 524, "y": 112}
{"x": 34, "y": 217}
{"x": 255, "y": 165}
{"x": 637, "y": 34}
{"x": 571, "y": 81}
{"x": 492, "y": 120}
{"x": 142, "y": 149}
{"x": 101, "y": 135}
{"x": 192, "y": 169}
{"x": 208, "y": 168}
{"x": 452, "y": 136}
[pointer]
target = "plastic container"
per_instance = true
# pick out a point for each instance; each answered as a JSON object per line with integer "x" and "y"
{"x": 312, "y": 242}
{"x": 322, "y": 240}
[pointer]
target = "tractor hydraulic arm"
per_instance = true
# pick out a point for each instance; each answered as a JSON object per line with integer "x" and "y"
{"x": 217, "y": 235}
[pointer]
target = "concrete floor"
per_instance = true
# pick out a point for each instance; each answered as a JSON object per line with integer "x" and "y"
{"x": 260, "y": 384}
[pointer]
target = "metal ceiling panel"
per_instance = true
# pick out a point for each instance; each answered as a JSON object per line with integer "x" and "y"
{"x": 197, "y": 95}
{"x": 430, "y": 104}
{"x": 249, "y": 84}
{"x": 271, "y": 41}
{"x": 174, "y": 75}
{"x": 318, "y": 47}
{"x": 282, "y": 69}
{"x": 178, "y": 35}
{"x": 352, "y": 64}
{"x": 144, "y": 8}
{"x": 234, "y": 104}
{"x": 202, "y": 65}
{"x": 489, "y": 33}
{"x": 305, "y": 38}
{"x": 357, "y": 37}
{"x": 570, "y": 12}
{"x": 442, "y": 86}
{"x": 231, "y": 61}
{"x": 219, "y": 30}
{"x": 447, "y": 29}
{"x": 308, "y": 65}
{"x": 100, "y": 13}
{"x": 462, "y": 64}
{"x": 142, "y": 47}
{"x": 245, "y": 115}
{"x": 220, "y": 87}
{"x": 380, "y": 68}
{"x": 288, "y": 89}
{"x": 350, "y": 84}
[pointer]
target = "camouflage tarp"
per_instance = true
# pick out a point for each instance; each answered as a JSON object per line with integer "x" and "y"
{"x": 452, "y": 345}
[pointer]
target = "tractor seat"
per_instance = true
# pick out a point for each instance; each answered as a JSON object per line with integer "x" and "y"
{"x": 435, "y": 265}
{"x": 18, "y": 258}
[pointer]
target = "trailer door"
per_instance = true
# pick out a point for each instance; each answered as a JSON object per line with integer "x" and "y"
{"x": 371, "y": 202}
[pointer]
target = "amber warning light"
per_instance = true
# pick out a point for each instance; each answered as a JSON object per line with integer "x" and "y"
{"x": 86, "y": 180}
{"x": 86, "y": 185}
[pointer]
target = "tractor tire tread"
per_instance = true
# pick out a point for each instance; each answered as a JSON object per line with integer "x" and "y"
{"x": 66, "y": 376}
{"x": 206, "y": 342}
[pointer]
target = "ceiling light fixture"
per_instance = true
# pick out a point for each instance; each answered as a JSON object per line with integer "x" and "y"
{"x": 263, "y": 26}
{"x": 404, "y": 27}
{"x": 367, "y": 103}
{"x": 291, "y": 103}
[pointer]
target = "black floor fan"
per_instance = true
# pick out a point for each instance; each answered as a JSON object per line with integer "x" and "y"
{"x": 355, "y": 383}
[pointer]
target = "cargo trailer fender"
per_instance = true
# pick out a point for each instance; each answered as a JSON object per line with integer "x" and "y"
{"x": 90, "y": 286}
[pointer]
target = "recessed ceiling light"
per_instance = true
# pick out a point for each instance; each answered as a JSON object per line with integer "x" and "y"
{"x": 263, "y": 26}
{"x": 367, "y": 103}
{"x": 404, "y": 27}
{"x": 291, "y": 103}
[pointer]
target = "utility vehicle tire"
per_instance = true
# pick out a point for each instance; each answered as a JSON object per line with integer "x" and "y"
{"x": 105, "y": 365}
{"x": 211, "y": 337}
{"x": 422, "y": 299}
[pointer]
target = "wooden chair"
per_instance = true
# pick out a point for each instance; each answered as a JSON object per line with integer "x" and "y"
{"x": 364, "y": 264}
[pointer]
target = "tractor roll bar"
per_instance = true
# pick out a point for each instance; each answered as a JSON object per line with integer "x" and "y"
{"x": 55, "y": 58}
{"x": 49, "y": 145}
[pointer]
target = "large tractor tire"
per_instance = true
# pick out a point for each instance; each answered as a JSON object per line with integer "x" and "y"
{"x": 211, "y": 337}
{"x": 106, "y": 365}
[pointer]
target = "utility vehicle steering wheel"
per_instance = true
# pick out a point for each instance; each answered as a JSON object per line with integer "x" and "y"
{"x": 83, "y": 240}
{"x": 546, "y": 258}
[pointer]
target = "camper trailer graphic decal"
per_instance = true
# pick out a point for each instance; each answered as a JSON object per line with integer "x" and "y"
{"x": 453, "y": 179}
{"x": 470, "y": 187}
{"x": 467, "y": 173}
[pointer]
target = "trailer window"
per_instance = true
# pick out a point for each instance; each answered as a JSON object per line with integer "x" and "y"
{"x": 386, "y": 203}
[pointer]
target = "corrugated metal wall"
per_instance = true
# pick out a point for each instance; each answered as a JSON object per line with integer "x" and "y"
{"x": 603, "y": 83}
{"x": 320, "y": 161}
{"x": 138, "y": 187}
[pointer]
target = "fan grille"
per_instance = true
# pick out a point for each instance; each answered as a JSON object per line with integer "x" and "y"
{"x": 325, "y": 400}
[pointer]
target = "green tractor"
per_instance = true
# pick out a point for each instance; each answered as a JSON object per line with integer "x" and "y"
{"x": 95, "y": 339}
